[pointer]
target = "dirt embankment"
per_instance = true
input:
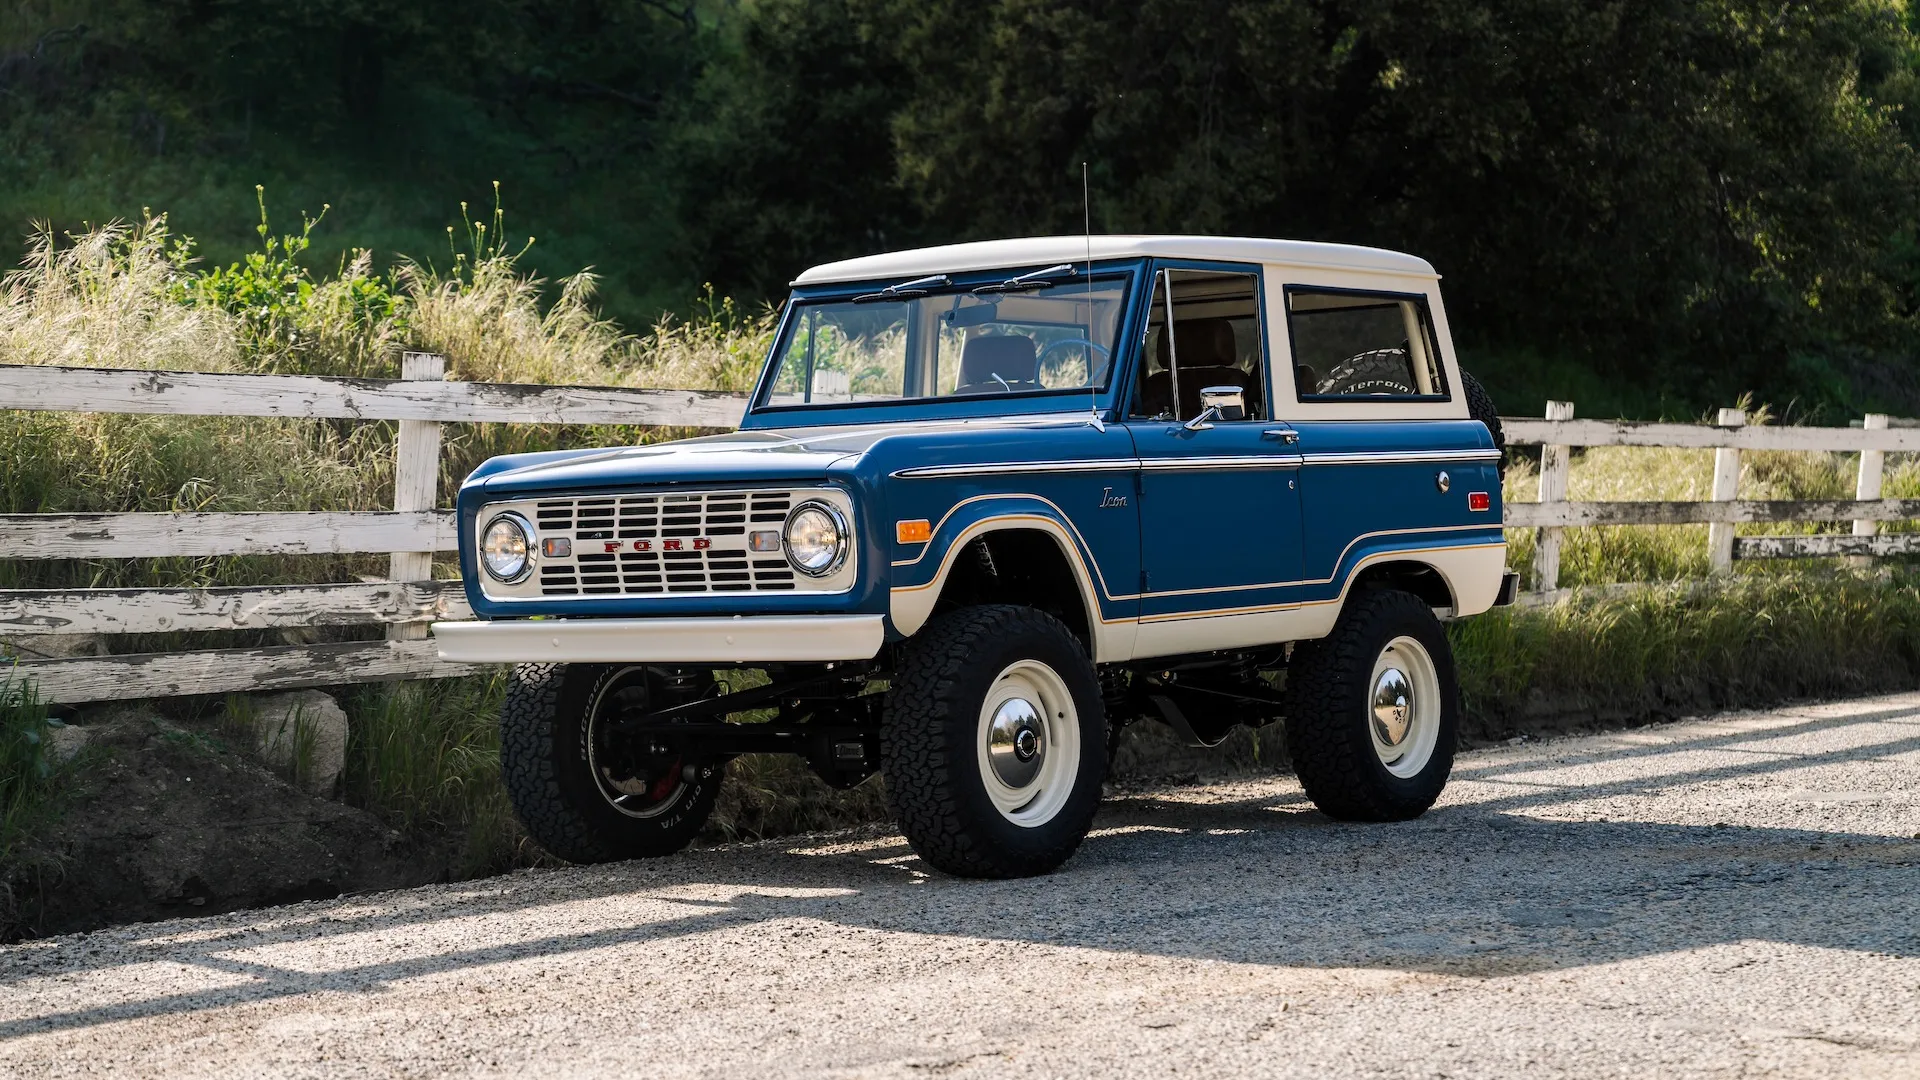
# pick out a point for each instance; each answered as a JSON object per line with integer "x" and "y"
{"x": 167, "y": 821}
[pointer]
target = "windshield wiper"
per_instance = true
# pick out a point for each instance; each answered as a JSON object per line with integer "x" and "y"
{"x": 1030, "y": 281}
{"x": 906, "y": 290}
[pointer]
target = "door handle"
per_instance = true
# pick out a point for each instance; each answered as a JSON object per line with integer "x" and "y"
{"x": 1285, "y": 435}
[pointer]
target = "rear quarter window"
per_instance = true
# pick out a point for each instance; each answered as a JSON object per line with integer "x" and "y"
{"x": 1350, "y": 345}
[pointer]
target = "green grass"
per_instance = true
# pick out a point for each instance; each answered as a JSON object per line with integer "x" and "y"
{"x": 30, "y": 776}
{"x": 1656, "y": 652}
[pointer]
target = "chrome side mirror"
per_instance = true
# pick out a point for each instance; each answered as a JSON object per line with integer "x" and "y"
{"x": 1219, "y": 403}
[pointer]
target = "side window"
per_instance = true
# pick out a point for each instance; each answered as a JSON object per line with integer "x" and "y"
{"x": 1348, "y": 345}
{"x": 1216, "y": 341}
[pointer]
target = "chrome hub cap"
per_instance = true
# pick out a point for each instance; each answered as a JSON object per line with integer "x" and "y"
{"x": 1016, "y": 742}
{"x": 1392, "y": 707}
{"x": 1403, "y": 707}
{"x": 1029, "y": 743}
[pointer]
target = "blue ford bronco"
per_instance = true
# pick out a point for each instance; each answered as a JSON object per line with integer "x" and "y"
{"x": 989, "y": 504}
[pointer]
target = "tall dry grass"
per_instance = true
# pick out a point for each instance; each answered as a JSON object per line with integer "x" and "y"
{"x": 106, "y": 298}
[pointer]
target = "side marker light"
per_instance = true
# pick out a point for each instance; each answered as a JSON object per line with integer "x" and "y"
{"x": 1479, "y": 500}
{"x": 917, "y": 531}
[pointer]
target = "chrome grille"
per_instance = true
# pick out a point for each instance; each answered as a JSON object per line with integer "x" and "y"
{"x": 663, "y": 543}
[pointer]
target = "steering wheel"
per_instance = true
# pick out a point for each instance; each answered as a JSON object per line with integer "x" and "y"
{"x": 1092, "y": 347}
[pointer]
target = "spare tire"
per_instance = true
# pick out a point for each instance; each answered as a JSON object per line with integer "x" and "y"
{"x": 1480, "y": 407}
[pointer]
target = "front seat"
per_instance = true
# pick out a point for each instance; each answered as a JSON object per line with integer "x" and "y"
{"x": 1012, "y": 357}
{"x": 1208, "y": 357}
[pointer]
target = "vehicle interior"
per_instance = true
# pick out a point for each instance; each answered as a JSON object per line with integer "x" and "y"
{"x": 1348, "y": 344}
{"x": 1215, "y": 342}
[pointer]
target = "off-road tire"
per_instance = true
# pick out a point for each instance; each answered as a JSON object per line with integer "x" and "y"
{"x": 928, "y": 751}
{"x": 1381, "y": 371}
{"x": 1327, "y": 711}
{"x": 1480, "y": 407}
{"x": 543, "y": 760}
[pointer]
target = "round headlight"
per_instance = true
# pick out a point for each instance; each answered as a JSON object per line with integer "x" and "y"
{"x": 506, "y": 548}
{"x": 816, "y": 537}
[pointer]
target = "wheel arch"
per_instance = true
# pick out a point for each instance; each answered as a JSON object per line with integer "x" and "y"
{"x": 1408, "y": 573}
{"x": 1021, "y": 540}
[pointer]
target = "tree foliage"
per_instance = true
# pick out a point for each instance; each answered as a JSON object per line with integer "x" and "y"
{"x": 1716, "y": 185}
{"x": 1702, "y": 196}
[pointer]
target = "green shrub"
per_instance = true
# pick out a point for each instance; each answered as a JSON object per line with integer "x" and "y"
{"x": 29, "y": 773}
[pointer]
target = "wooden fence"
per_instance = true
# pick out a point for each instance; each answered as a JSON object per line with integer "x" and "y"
{"x": 1559, "y": 432}
{"x": 411, "y": 533}
{"x": 416, "y": 528}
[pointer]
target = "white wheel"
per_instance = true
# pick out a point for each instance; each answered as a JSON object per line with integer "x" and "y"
{"x": 1404, "y": 707}
{"x": 1028, "y": 743}
{"x": 1373, "y": 710}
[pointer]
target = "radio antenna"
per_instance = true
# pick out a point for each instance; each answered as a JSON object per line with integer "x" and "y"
{"x": 1086, "y": 224}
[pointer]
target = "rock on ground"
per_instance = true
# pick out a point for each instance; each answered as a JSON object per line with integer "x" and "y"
{"x": 304, "y": 724}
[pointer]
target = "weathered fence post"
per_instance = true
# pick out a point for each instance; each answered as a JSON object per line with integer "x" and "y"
{"x": 1726, "y": 488}
{"x": 416, "y": 482}
{"x": 1873, "y": 465}
{"x": 1555, "y": 462}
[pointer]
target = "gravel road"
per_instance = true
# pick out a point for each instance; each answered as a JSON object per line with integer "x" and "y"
{"x": 1736, "y": 896}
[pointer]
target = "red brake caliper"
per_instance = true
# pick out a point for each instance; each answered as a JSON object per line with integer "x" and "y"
{"x": 664, "y": 786}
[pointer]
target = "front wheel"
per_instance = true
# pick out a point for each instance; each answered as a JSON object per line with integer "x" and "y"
{"x": 1374, "y": 710}
{"x": 994, "y": 742}
{"x": 588, "y": 787}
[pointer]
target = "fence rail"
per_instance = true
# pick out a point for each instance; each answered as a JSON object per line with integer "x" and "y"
{"x": 411, "y": 533}
{"x": 316, "y": 397}
{"x": 416, "y": 529}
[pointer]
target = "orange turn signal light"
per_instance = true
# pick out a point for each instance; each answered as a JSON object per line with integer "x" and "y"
{"x": 917, "y": 531}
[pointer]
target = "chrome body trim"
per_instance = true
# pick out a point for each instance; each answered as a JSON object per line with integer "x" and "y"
{"x": 920, "y": 472}
{"x": 666, "y": 640}
{"x": 999, "y": 468}
{"x": 1401, "y": 457}
{"x": 1242, "y": 461}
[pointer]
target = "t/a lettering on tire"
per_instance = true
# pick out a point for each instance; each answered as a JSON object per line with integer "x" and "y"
{"x": 1373, "y": 710}
{"x": 994, "y": 742}
{"x": 588, "y": 788}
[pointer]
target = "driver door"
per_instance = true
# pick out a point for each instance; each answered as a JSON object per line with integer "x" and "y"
{"x": 1220, "y": 505}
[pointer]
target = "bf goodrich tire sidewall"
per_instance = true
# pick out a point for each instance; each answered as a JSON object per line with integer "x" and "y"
{"x": 619, "y": 835}
{"x": 686, "y": 815}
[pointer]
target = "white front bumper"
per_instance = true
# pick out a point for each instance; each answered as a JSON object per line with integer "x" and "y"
{"x": 747, "y": 639}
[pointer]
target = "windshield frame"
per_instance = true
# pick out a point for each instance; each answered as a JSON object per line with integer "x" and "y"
{"x": 1128, "y": 272}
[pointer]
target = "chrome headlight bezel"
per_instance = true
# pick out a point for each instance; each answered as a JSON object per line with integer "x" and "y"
{"x": 843, "y": 536}
{"x": 529, "y": 545}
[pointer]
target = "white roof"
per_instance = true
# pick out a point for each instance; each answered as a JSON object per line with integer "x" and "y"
{"x": 1046, "y": 250}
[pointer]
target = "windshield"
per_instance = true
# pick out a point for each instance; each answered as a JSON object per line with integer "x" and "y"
{"x": 882, "y": 348}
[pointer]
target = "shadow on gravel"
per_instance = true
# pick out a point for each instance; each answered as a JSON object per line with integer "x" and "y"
{"x": 1474, "y": 888}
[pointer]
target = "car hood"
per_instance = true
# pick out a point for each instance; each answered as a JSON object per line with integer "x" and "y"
{"x": 761, "y": 454}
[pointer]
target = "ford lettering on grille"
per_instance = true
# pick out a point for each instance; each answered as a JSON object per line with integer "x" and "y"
{"x": 652, "y": 544}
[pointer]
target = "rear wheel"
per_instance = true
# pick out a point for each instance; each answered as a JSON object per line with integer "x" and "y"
{"x": 994, "y": 742}
{"x": 588, "y": 786}
{"x": 1374, "y": 711}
